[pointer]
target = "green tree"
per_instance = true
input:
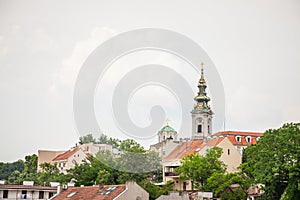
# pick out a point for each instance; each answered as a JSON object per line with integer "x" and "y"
{"x": 274, "y": 162}
{"x": 87, "y": 139}
{"x": 156, "y": 191}
{"x": 50, "y": 173}
{"x": 6, "y": 169}
{"x": 29, "y": 172}
{"x": 103, "y": 139}
{"x": 30, "y": 164}
{"x": 198, "y": 168}
{"x": 220, "y": 184}
{"x": 130, "y": 145}
{"x": 14, "y": 178}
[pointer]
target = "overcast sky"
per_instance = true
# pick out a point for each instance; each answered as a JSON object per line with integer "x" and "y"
{"x": 254, "y": 44}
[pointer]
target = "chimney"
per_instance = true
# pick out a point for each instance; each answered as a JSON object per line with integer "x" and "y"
{"x": 101, "y": 186}
{"x": 58, "y": 189}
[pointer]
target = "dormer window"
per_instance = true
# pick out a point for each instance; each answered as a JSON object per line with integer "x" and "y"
{"x": 248, "y": 139}
{"x": 238, "y": 138}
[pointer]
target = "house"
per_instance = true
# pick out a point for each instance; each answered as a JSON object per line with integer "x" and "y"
{"x": 93, "y": 149}
{"x": 26, "y": 191}
{"x": 240, "y": 139}
{"x": 69, "y": 159}
{"x": 232, "y": 143}
{"x": 46, "y": 156}
{"x": 173, "y": 160}
{"x": 130, "y": 190}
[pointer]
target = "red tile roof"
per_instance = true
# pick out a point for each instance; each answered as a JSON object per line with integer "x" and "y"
{"x": 88, "y": 154}
{"x": 243, "y": 141}
{"x": 241, "y": 133}
{"x": 91, "y": 193}
{"x": 65, "y": 155}
{"x": 182, "y": 149}
{"x": 190, "y": 147}
{"x": 27, "y": 187}
{"x": 231, "y": 135}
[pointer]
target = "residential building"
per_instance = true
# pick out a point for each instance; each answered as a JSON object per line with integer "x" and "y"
{"x": 130, "y": 190}
{"x": 93, "y": 149}
{"x": 26, "y": 191}
{"x": 231, "y": 156}
{"x": 240, "y": 139}
{"x": 46, "y": 156}
{"x": 69, "y": 159}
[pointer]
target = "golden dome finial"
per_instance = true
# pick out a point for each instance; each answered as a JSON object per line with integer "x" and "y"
{"x": 167, "y": 121}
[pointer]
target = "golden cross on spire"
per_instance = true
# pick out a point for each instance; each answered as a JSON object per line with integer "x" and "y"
{"x": 202, "y": 66}
{"x": 167, "y": 121}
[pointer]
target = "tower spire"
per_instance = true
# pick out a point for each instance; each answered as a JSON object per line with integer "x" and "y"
{"x": 202, "y": 99}
{"x": 201, "y": 113}
{"x": 202, "y": 69}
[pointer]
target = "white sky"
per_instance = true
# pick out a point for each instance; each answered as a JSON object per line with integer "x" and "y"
{"x": 254, "y": 44}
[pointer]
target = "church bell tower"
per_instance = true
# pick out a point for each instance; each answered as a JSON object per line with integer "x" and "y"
{"x": 201, "y": 113}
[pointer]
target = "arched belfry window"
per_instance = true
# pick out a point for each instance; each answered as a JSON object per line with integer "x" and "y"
{"x": 199, "y": 125}
{"x": 199, "y": 128}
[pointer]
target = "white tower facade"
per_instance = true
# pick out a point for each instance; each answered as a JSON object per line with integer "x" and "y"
{"x": 201, "y": 113}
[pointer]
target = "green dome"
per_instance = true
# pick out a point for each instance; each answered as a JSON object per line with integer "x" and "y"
{"x": 167, "y": 128}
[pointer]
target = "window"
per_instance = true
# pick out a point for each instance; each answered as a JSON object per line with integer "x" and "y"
{"x": 199, "y": 128}
{"x": 5, "y": 194}
{"x": 228, "y": 151}
{"x": 238, "y": 138}
{"x": 50, "y": 195}
{"x": 208, "y": 129}
{"x": 24, "y": 194}
{"x": 41, "y": 194}
{"x": 248, "y": 139}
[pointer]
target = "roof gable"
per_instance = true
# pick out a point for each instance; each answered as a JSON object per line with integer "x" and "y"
{"x": 66, "y": 155}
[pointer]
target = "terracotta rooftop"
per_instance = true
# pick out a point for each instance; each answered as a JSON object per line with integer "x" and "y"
{"x": 243, "y": 141}
{"x": 231, "y": 135}
{"x": 108, "y": 192}
{"x": 24, "y": 187}
{"x": 241, "y": 133}
{"x": 194, "y": 146}
{"x": 66, "y": 154}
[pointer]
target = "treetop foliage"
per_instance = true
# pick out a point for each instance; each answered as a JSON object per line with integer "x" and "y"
{"x": 274, "y": 162}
